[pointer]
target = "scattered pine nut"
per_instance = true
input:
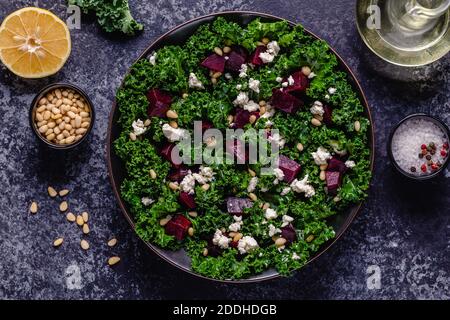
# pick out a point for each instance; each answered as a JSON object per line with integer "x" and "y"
{"x": 252, "y": 173}
{"x": 58, "y": 242}
{"x": 226, "y": 49}
{"x": 171, "y": 114}
{"x": 205, "y": 252}
{"x": 238, "y": 236}
{"x": 266, "y": 206}
{"x": 152, "y": 174}
{"x": 85, "y": 216}
{"x": 300, "y": 147}
{"x": 357, "y": 126}
{"x": 265, "y": 40}
{"x": 52, "y": 192}
{"x": 84, "y": 244}
{"x": 306, "y": 70}
{"x": 316, "y": 122}
{"x": 86, "y": 229}
{"x": 174, "y": 186}
{"x": 193, "y": 214}
{"x": 252, "y": 196}
{"x": 63, "y": 206}
{"x": 310, "y": 238}
{"x": 34, "y": 208}
{"x": 206, "y": 187}
{"x": 113, "y": 260}
{"x": 173, "y": 124}
{"x": 71, "y": 217}
{"x": 280, "y": 242}
{"x": 323, "y": 167}
{"x": 322, "y": 175}
{"x": 185, "y": 95}
{"x": 80, "y": 221}
{"x": 252, "y": 119}
{"x": 218, "y": 51}
{"x": 133, "y": 136}
{"x": 164, "y": 221}
{"x": 147, "y": 122}
{"x": 112, "y": 242}
{"x": 191, "y": 231}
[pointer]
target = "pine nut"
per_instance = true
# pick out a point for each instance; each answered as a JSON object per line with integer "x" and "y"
{"x": 133, "y": 136}
{"x": 322, "y": 175}
{"x": 50, "y": 137}
{"x": 58, "y": 242}
{"x": 214, "y": 81}
{"x": 306, "y": 70}
{"x": 300, "y": 147}
{"x": 71, "y": 217}
{"x": 205, "y": 187}
{"x": 65, "y": 93}
{"x": 265, "y": 40}
{"x": 152, "y": 174}
{"x": 216, "y": 75}
{"x": 164, "y": 221}
{"x": 316, "y": 122}
{"x": 34, "y": 208}
{"x": 113, "y": 260}
{"x": 230, "y": 119}
{"x": 262, "y": 110}
{"x": 84, "y": 114}
{"x": 318, "y": 117}
{"x": 251, "y": 172}
{"x": 78, "y": 121}
{"x": 58, "y": 93}
{"x": 80, "y": 131}
{"x": 41, "y": 109}
{"x": 252, "y": 119}
{"x": 266, "y": 206}
{"x": 171, "y": 114}
{"x": 68, "y": 127}
{"x": 63, "y": 206}
{"x": 218, "y": 51}
{"x": 357, "y": 126}
{"x": 43, "y": 101}
{"x": 310, "y": 238}
{"x": 112, "y": 242}
{"x": 174, "y": 186}
{"x": 191, "y": 231}
{"x": 80, "y": 221}
{"x": 70, "y": 96}
{"x": 226, "y": 49}
{"x": 84, "y": 244}
{"x": 70, "y": 139}
{"x": 51, "y": 125}
{"x": 52, "y": 192}
{"x": 231, "y": 234}
{"x": 337, "y": 199}
{"x": 185, "y": 95}
{"x": 205, "y": 252}
{"x": 193, "y": 214}
{"x": 85, "y": 124}
{"x": 280, "y": 242}
{"x": 252, "y": 196}
{"x": 173, "y": 124}
{"x": 71, "y": 114}
{"x": 147, "y": 122}
{"x": 56, "y": 116}
{"x": 49, "y": 97}
{"x": 42, "y": 123}
{"x": 63, "y": 192}
{"x": 86, "y": 228}
{"x": 237, "y": 237}
{"x": 323, "y": 167}
{"x": 80, "y": 104}
{"x": 67, "y": 102}
{"x": 39, "y": 117}
{"x": 43, "y": 129}
{"x": 85, "y": 216}
{"x": 60, "y": 137}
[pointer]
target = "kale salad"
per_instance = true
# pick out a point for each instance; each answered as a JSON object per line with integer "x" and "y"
{"x": 233, "y": 220}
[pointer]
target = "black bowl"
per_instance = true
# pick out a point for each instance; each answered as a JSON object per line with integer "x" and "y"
{"x": 34, "y": 106}
{"x": 117, "y": 171}
{"x": 404, "y": 173}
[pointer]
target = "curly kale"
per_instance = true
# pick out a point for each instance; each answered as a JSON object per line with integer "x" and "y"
{"x": 112, "y": 15}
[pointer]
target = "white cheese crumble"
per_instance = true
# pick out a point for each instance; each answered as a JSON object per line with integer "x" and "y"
{"x": 254, "y": 85}
{"x": 188, "y": 183}
{"x": 279, "y": 79}
{"x": 194, "y": 82}
{"x": 273, "y": 230}
{"x": 302, "y": 186}
{"x": 270, "y": 111}
{"x": 311, "y": 75}
{"x": 252, "y": 184}
{"x": 350, "y": 164}
{"x": 331, "y": 90}
{"x": 321, "y": 156}
{"x": 295, "y": 256}
{"x": 273, "y": 47}
{"x": 285, "y": 84}
{"x": 238, "y": 86}
{"x": 152, "y": 58}
{"x": 174, "y": 134}
{"x": 285, "y": 191}
{"x": 236, "y": 225}
{"x": 286, "y": 220}
{"x": 247, "y": 244}
{"x": 291, "y": 81}
{"x": 243, "y": 71}
{"x": 270, "y": 214}
{"x": 251, "y": 106}
{"x": 266, "y": 57}
{"x": 204, "y": 176}
{"x": 138, "y": 127}
{"x": 228, "y": 76}
{"x": 270, "y": 53}
{"x": 241, "y": 99}
{"x": 220, "y": 240}
{"x": 277, "y": 139}
{"x": 279, "y": 175}
{"x": 327, "y": 96}
{"x": 146, "y": 201}
{"x": 317, "y": 108}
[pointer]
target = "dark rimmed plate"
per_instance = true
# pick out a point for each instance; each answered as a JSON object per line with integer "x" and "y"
{"x": 179, "y": 35}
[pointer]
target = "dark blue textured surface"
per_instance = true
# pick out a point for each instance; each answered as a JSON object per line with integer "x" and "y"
{"x": 403, "y": 229}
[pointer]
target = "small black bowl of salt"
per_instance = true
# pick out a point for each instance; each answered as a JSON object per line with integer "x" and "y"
{"x": 419, "y": 147}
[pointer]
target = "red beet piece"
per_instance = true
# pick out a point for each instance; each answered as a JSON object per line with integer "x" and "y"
{"x": 288, "y": 232}
{"x": 333, "y": 179}
{"x": 213, "y": 250}
{"x": 178, "y": 226}
{"x": 236, "y": 206}
{"x": 336, "y": 165}
{"x": 215, "y": 63}
{"x": 289, "y": 167}
{"x": 242, "y": 118}
{"x": 237, "y": 149}
{"x": 301, "y": 83}
{"x": 187, "y": 200}
{"x": 235, "y": 61}
{"x": 159, "y": 103}
{"x": 327, "y": 115}
{"x": 254, "y": 58}
{"x": 285, "y": 101}
{"x": 166, "y": 153}
{"x": 234, "y": 244}
{"x": 178, "y": 174}
{"x": 206, "y": 125}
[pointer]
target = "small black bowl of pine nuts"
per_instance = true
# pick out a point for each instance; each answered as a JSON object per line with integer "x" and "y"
{"x": 62, "y": 116}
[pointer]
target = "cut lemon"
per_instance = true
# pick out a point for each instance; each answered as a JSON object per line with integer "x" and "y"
{"x": 34, "y": 43}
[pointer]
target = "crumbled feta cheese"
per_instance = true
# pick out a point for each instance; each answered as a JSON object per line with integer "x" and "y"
{"x": 277, "y": 139}
{"x": 138, "y": 127}
{"x": 247, "y": 244}
{"x": 251, "y": 106}
{"x": 286, "y": 220}
{"x": 327, "y": 96}
{"x": 270, "y": 214}
{"x": 254, "y": 85}
{"x": 252, "y": 184}
{"x": 321, "y": 156}
{"x": 199, "y": 178}
{"x": 295, "y": 256}
{"x": 236, "y": 225}
{"x": 285, "y": 84}
{"x": 147, "y": 201}
{"x": 194, "y": 82}
{"x": 220, "y": 240}
{"x": 332, "y": 90}
{"x": 241, "y": 99}
{"x": 273, "y": 48}
{"x": 291, "y": 81}
{"x": 266, "y": 57}
{"x": 270, "y": 111}
{"x": 207, "y": 172}
{"x": 243, "y": 71}
{"x": 269, "y": 123}
{"x": 238, "y": 86}
{"x": 152, "y": 58}
{"x": 264, "y": 189}
{"x": 279, "y": 175}
{"x": 302, "y": 186}
{"x": 285, "y": 191}
{"x": 279, "y": 79}
{"x": 228, "y": 76}
{"x": 174, "y": 134}
{"x": 188, "y": 183}
{"x": 273, "y": 230}
{"x": 227, "y": 57}
{"x": 311, "y": 75}
{"x": 317, "y": 108}
{"x": 350, "y": 164}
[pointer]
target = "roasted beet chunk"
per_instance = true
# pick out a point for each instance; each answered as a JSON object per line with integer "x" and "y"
{"x": 215, "y": 63}
{"x": 236, "y": 148}
{"x": 166, "y": 153}
{"x": 254, "y": 58}
{"x": 327, "y": 115}
{"x": 187, "y": 200}
{"x": 159, "y": 102}
{"x": 213, "y": 250}
{"x": 333, "y": 179}
{"x": 236, "y": 206}
{"x": 334, "y": 164}
{"x": 178, "y": 226}
{"x": 178, "y": 174}
{"x": 242, "y": 118}
{"x": 234, "y": 62}
{"x": 206, "y": 125}
{"x": 288, "y": 232}
{"x": 300, "y": 84}
{"x": 285, "y": 101}
{"x": 289, "y": 167}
